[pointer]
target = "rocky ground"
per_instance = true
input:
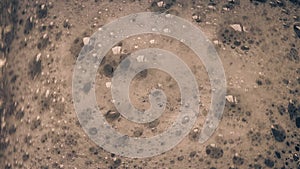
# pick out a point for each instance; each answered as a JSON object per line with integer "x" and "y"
{"x": 258, "y": 42}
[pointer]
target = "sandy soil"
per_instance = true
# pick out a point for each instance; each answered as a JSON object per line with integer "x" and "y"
{"x": 39, "y": 126}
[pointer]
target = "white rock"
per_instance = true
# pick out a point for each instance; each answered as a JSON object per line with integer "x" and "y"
{"x": 140, "y": 58}
{"x": 86, "y": 40}
{"x": 231, "y": 99}
{"x": 2, "y": 62}
{"x": 160, "y": 3}
{"x": 237, "y": 27}
{"x": 38, "y": 57}
{"x": 216, "y": 42}
{"x": 152, "y": 41}
{"x": 116, "y": 50}
{"x": 108, "y": 84}
{"x": 47, "y": 93}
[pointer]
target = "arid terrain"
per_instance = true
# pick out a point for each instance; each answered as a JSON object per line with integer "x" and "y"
{"x": 258, "y": 42}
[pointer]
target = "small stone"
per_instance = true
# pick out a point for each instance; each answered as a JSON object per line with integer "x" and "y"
{"x": 116, "y": 50}
{"x": 29, "y": 25}
{"x": 278, "y": 133}
{"x": 2, "y": 62}
{"x": 152, "y": 41}
{"x": 280, "y": 3}
{"x": 297, "y": 29}
{"x": 25, "y": 157}
{"x": 43, "y": 42}
{"x": 140, "y": 58}
{"x": 86, "y": 40}
{"x": 245, "y": 48}
{"x": 160, "y": 4}
{"x": 231, "y": 99}
{"x": 194, "y": 134}
{"x": 293, "y": 110}
{"x": 108, "y": 84}
{"x": 42, "y": 11}
{"x": 216, "y": 42}
{"x": 51, "y": 25}
{"x": 198, "y": 17}
{"x": 237, "y": 27}
{"x": 296, "y": 157}
{"x": 38, "y": 57}
{"x": 67, "y": 24}
{"x": 112, "y": 115}
{"x": 7, "y": 29}
{"x": 180, "y": 158}
{"x": 47, "y": 93}
{"x": 117, "y": 163}
{"x": 35, "y": 68}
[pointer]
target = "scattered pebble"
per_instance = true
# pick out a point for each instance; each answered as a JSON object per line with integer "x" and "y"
{"x": 237, "y": 27}
{"x": 231, "y": 99}
{"x": 42, "y": 11}
{"x": 108, "y": 84}
{"x": 141, "y": 58}
{"x": 2, "y": 62}
{"x": 86, "y": 40}
{"x": 198, "y": 17}
{"x": 297, "y": 29}
{"x": 112, "y": 115}
{"x": 160, "y": 4}
{"x": 116, "y": 50}
{"x": 245, "y": 48}
{"x": 67, "y": 24}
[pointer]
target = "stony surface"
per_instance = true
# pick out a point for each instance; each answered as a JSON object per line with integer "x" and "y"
{"x": 257, "y": 40}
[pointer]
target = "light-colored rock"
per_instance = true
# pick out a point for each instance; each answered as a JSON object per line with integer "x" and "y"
{"x": 86, "y": 40}
{"x": 152, "y": 41}
{"x": 116, "y": 50}
{"x": 140, "y": 58}
{"x": 2, "y": 62}
{"x": 47, "y": 93}
{"x": 237, "y": 27}
{"x": 38, "y": 57}
{"x": 108, "y": 84}
{"x": 7, "y": 29}
{"x": 231, "y": 99}
{"x": 160, "y": 4}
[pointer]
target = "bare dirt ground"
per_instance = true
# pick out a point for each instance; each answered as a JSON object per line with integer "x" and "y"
{"x": 258, "y": 42}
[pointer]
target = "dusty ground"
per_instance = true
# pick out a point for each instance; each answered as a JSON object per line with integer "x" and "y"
{"x": 39, "y": 127}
